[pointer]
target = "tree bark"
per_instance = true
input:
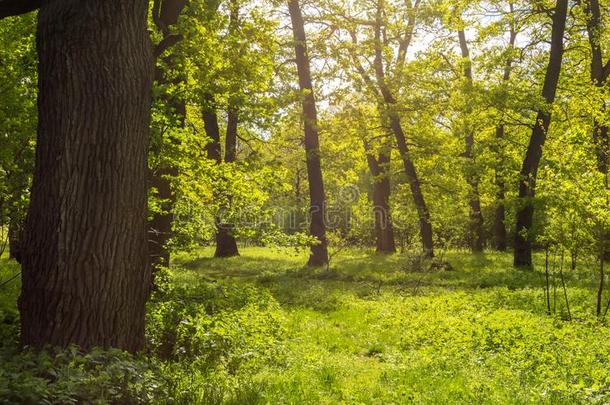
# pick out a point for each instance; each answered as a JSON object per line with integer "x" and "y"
{"x": 317, "y": 227}
{"x": 86, "y": 277}
{"x": 476, "y": 234}
{"x": 380, "y": 170}
{"x": 529, "y": 169}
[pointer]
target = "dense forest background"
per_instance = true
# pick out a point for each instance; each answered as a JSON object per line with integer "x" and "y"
{"x": 140, "y": 139}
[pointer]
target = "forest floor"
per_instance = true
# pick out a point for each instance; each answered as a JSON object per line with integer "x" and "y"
{"x": 261, "y": 328}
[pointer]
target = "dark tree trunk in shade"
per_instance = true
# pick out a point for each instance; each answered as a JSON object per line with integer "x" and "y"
{"x": 476, "y": 232}
{"x": 226, "y": 245}
{"x": 529, "y": 169}
{"x": 317, "y": 228}
{"x": 86, "y": 276}
{"x": 600, "y": 72}
{"x": 390, "y": 105}
{"x": 165, "y": 15}
{"x": 15, "y": 239}
{"x": 384, "y": 229}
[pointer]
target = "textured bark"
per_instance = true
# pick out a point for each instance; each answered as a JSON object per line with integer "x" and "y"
{"x": 476, "y": 234}
{"x": 384, "y": 229}
{"x": 317, "y": 227}
{"x": 86, "y": 277}
{"x": 529, "y": 169}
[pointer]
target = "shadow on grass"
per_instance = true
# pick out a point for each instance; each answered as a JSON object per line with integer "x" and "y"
{"x": 370, "y": 276}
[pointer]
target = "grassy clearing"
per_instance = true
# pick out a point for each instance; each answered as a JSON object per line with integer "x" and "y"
{"x": 371, "y": 330}
{"x": 261, "y": 328}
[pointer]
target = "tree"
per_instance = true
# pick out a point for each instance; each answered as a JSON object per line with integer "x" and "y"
{"x": 531, "y": 162}
{"x": 165, "y": 16}
{"x": 476, "y": 231}
{"x": 85, "y": 273}
{"x": 317, "y": 227}
{"x": 500, "y": 133}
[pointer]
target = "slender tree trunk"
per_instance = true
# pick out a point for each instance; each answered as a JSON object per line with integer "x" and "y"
{"x": 476, "y": 228}
{"x": 212, "y": 129}
{"x": 380, "y": 170}
{"x": 500, "y": 239}
{"x": 226, "y": 245}
{"x": 165, "y": 14}
{"x": 425, "y": 225}
{"x": 86, "y": 277}
{"x": 529, "y": 170}
{"x": 15, "y": 238}
{"x": 160, "y": 226}
{"x": 317, "y": 227}
{"x": 599, "y": 76}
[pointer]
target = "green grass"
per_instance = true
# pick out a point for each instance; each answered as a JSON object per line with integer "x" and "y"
{"x": 372, "y": 331}
{"x": 262, "y": 328}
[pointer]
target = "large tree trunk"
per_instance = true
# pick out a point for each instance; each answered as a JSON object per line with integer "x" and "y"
{"x": 476, "y": 230}
{"x": 384, "y": 229}
{"x": 86, "y": 277}
{"x": 317, "y": 228}
{"x": 529, "y": 170}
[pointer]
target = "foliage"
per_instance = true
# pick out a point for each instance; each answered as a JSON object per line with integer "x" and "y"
{"x": 273, "y": 332}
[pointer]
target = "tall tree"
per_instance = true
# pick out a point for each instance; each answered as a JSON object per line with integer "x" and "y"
{"x": 391, "y": 111}
{"x": 85, "y": 273}
{"x": 226, "y": 245}
{"x": 600, "y": 72}
{"x": 317, "y": 227}
{"x": 476, "y": 233}
{"x": 499, "y": 229}
{"x": 531, "y": 162}
{"x": 165, "y": 16}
